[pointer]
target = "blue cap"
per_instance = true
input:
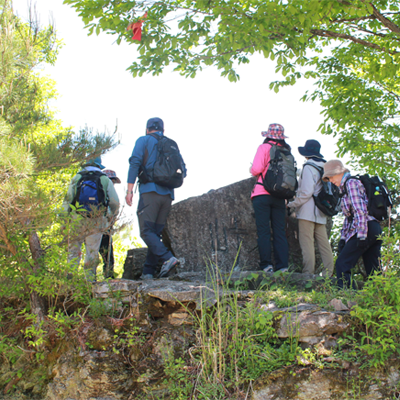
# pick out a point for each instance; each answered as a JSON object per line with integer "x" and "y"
{"x": 97, "y": 161}
{"x": 155, "y": 124}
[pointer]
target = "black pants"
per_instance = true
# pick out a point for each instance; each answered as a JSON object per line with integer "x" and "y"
{"x": 271, "y": 213}
{"x": 153, "y": 210}
{"x": 350, "y": 254}
{"x": 106, "y": 245}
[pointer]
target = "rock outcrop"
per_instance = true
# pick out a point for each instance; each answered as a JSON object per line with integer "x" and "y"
{"x": 123, "y": 353}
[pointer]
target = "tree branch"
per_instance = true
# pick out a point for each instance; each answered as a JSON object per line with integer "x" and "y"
{"x": 385, "y": 21}
{"x": 330, "y": 34}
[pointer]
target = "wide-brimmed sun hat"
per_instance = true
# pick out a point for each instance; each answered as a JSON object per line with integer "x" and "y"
{"x": 311, "y": 149}
{"x": 112, "y": 175}
{"x": 332, "y": 168}
{"x": 275, "y": 131}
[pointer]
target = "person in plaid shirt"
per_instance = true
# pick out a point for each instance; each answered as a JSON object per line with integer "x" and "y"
{"x": 361, "y": 231}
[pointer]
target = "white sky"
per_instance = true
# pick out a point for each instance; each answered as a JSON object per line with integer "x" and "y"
{"x": 217, "y": 124}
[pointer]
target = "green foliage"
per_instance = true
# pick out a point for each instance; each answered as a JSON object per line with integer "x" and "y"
{"x": 64, "y": 323}
{"x": 178, "y": 380}
{"x": 378, "y": 309}
{"x": 350, "y": 49}
{"x": 9, "y": 349}
{"x": 127, "y": 339}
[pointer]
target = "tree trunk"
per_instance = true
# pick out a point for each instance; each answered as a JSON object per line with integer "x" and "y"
{"x": 37, "y": 302}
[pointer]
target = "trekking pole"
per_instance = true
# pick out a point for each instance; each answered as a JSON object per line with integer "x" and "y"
{"x": 110, "y": 230}
{"x": 109, "y": 254}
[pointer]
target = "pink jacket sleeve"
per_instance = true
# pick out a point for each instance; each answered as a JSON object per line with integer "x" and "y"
{"x": 260, "y": 163}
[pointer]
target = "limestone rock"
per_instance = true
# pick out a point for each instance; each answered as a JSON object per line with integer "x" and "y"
{"x": 311, "y": 326}
{"x": 338, "y": 305}
{"x": 89, "y": 375}
{"x": 217, "y": 227}
{"x": 327, "y": 384}
{"x": 181, "y": 318}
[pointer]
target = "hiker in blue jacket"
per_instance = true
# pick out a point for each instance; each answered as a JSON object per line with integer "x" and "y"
{"x": 154, "y": 201}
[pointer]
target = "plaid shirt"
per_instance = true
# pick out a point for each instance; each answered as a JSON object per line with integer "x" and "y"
{"x": 354, "y": 208}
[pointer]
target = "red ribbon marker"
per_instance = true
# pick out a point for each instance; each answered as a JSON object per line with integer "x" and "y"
{"x": 136, "y": 28}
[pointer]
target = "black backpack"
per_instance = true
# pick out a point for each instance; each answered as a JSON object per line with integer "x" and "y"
{"x": 328, "y": 199}
{"x": 89, "y": 192}
{"x": 168, "y": 170}
{"x": 280, "y": 179}
{"x": 379, "y": 199}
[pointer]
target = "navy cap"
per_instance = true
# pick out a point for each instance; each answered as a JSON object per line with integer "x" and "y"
{"x": 155, "y": 124}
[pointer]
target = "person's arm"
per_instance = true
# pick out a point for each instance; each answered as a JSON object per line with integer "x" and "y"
{"x": 113, "y": 200}
{"x": 261, "y": 160}
{"x": 69, "y": 197}
{"x": 135, "y": 161}
{"x": 129, "y": 194}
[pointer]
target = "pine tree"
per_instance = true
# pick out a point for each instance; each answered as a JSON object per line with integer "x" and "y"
{"x": 37, "y": 154}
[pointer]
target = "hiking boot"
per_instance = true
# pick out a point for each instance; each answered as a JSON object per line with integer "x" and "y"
{"x": 168, "y": 267}
{"x": 269, "y": 268}
{"x": 282, "y": 270}
{"x": 146, "y": 277}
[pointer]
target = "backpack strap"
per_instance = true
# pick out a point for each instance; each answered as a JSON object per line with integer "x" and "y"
{"x": 345, "y": 191}
{"x": 272, "y": 143}
{"x": 319, "y": 169}
{"x": 146, "y": 152}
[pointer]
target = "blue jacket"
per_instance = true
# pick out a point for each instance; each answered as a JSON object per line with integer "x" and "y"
{"x": 136, "y": 160}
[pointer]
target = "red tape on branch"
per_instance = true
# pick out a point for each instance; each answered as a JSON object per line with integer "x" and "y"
{"x": 136, "y": 28}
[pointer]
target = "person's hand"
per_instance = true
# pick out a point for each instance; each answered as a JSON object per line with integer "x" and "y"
{"x": 341, "y": 245}
{"x": 128, "y": 199}
{"x": 362, "y": 244}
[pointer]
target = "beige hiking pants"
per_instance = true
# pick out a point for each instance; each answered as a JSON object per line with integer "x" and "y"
{"x": 308, "y": 231}
{"x": 89, "y": 231}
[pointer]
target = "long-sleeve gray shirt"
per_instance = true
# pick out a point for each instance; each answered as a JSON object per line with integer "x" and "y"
{"x": 309, "y": 185}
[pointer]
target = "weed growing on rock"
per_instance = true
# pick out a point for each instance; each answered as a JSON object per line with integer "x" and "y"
{"x": 237, "y": 342}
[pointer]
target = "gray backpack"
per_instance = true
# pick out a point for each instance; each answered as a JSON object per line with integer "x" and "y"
{"x": 281, "y": 180}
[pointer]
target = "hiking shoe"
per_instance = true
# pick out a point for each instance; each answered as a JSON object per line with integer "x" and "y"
{"x": 270, "y": 268}
{"x": 146, "y": 277}
{"x": 168, "y": 267}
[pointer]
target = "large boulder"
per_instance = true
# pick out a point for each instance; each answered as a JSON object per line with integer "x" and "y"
{"x": 217, "y": 228}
